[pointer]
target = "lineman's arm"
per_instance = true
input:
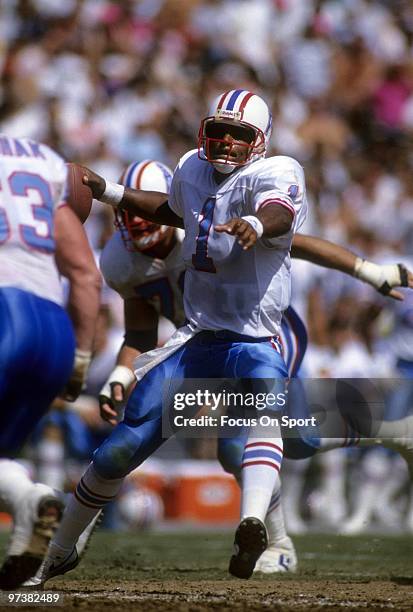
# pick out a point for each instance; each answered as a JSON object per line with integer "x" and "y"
{"x": 150, "y": 205}
{"x": 329, "y": 255}
{"x": 141, "y": 335}
{"x": 75, "y": 261}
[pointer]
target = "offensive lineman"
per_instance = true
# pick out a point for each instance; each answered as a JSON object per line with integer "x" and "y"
{"x": 43, "y": 352}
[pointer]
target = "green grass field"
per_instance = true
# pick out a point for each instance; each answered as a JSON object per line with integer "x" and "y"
{"x": 162, "y": 570}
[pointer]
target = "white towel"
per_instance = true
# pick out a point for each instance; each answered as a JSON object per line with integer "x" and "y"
{"x": 145, "y": 362}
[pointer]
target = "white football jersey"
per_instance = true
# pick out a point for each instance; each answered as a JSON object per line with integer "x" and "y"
{"x": 133, "y": 274}
{"x": 32, "y": 182}
{"x": 225, "y": 286}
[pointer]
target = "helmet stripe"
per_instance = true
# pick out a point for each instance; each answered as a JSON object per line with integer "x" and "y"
{"x": 245, "y": 100}
{"x": 129, "y": 173}
{"x": 233, "y": 98}
{"x": 141, "y": 169}
{"x": 221, "y": 102}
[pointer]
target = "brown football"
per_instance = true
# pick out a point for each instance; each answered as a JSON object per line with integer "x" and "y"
{"x": 79, "y": 195}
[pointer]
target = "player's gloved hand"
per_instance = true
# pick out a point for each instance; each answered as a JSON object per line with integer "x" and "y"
{"x": 77, "y": 380}
{"x": 247, "y": 230}
{"x": 113, "y": 393}
{"x": 384, "y": 277}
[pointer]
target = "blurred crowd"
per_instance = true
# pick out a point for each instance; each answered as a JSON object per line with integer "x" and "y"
{"x": 107, "y": 83}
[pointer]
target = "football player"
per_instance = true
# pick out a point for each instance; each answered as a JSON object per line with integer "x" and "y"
{"x": 142, "y": 262}
{"x": 43, "y": 351}
{"x": 239, "y": 212}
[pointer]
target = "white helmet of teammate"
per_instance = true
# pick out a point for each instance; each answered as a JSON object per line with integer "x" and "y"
{"x": 242, "y": 108}
{"x": 149, "y": 175}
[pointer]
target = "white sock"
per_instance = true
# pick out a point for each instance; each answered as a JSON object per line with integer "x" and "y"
{"x": 274, "y": 521}
{"x": 91, "y": 495}
{"x": 260, "y": 467}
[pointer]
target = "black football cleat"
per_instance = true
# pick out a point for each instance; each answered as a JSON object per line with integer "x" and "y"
{"x": 251, "y": 540}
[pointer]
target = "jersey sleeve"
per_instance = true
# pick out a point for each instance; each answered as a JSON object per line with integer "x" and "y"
{"x": 117, "y": 268}
{"x": 173, "y": 198}
{"x": 281, "y": 182}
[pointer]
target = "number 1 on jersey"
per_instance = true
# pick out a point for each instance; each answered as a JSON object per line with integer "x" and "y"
{"x": 200, "y": 259}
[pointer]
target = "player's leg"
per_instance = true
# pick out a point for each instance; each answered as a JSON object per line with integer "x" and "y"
{"x": 129, "y": 444}
{"x": 36, "y": 359}
{"x": 36, "y": 511}
{"x": 261, "y": 363}
{"x": 280, "y": 554}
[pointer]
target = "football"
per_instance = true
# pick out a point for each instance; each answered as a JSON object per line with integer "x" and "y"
{"x": 79, "y": 195}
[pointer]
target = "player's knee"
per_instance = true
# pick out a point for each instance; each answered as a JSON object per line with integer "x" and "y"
{"x": 116, "y": 457}
{"x": 230, "y": 455}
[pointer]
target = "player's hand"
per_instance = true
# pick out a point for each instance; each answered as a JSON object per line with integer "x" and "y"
{"x": 96, "y": 183}
{"x": 384, "y": 277}
{"x": 113, "y": 394}
{"x": 240, "y": 228}
{"x": 406, "y": 280}
{"x": 111, "y": 407}
{"x": 77, "y": 380}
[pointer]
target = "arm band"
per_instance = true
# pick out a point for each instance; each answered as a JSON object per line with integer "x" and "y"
{"x": 113, "y": 194}
{"x": 255, "y": 223}
{"x": 142, "y": 341}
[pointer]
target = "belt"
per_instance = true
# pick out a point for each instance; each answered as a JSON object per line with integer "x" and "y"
{"x": 230, "y": 336}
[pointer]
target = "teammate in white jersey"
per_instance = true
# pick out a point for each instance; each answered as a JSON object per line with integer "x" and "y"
{"x": 218, "y": 342}
{"x": 142, "y": 262}
{"x": 42, "y": 353}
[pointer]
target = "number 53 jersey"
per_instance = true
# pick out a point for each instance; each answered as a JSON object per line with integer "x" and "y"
{"x": 32, "y": 181}
{"x": 225, "y": 286}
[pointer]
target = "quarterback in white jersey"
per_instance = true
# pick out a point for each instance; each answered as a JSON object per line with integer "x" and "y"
{"x": 239, "y": 224}
{"x": 218, "y": 343}
{"x": 244, "y": 292}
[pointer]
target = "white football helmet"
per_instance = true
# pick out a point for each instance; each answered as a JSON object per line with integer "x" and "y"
{"x": 138, "y": 234}
{"x": 241, "y": 108}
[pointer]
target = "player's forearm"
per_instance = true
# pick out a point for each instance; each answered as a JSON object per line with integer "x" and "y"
{"x": 323, "y": 253}
{"x": 150, "y": 205}
{"x": 83, "y": 307}
{"x": 127, "y": 356}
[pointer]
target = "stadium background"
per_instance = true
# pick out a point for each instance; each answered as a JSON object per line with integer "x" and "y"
{"x": 107, "y": 83}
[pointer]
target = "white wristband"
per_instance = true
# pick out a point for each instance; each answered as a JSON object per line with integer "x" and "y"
{"x": 121, "y": 375}
{"x": 113, "y": 194}
{"x": 256, "y": 224}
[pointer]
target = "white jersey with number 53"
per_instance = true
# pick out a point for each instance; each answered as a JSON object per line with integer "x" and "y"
{"x": 226, "y": 287}
{"x": 32, "y": 181}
